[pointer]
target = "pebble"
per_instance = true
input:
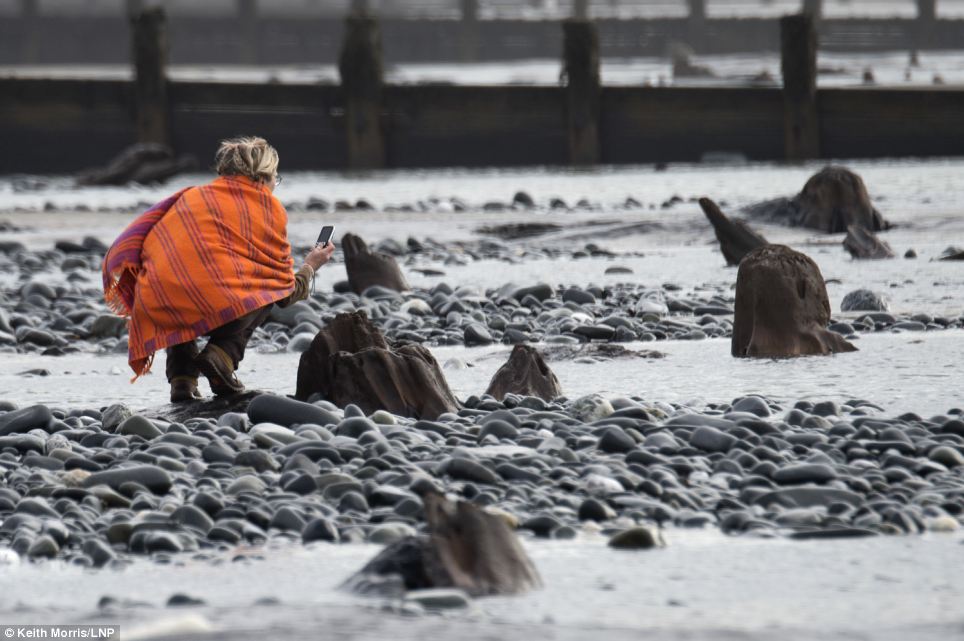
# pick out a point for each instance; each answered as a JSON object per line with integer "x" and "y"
{"x": 162, "y": 488}
{"x": 804, "y": 473}
{"x": 637, "y": 538}
{"x": 271, "y": 408}
{"x": 863, "y": 300}
{"x": 139, "y": 426}
{"x": 151, "y": 477}
{"x": 439, "y": 599}
{"x": 711, "y": 439}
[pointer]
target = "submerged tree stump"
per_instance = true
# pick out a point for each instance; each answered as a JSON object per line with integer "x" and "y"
{"x": 782, "y": 307}
{"x": 832, "y": 200}
{"x": 836, "y": 198}
{"x": 367, "y": 268}
{"x": 736, "y": 238}
{"x": 526, "y": 374}
{"x": 862, "y": 244}
{"x": 349, "y": 361}
{"x": 466, "y": 548}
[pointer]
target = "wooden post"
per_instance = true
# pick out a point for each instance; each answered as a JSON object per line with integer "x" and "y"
{"x": 697, "y": 10}
{"x": 250, "y": 44}
{"x": 30, "y": 48}
{"x": 581, "y": 70}
{"x": 695, "y": 22}
{"x": 149, "y": 29}
{"x": 360, "y": 67}
{"x": 469, "y": 31}
{"x": 926, "y": 21}
{"x": 813, "y": 8}
{"x": 927, "y": 10}
{"x": 798, "y": 43}
{"x": 580, "y": 9}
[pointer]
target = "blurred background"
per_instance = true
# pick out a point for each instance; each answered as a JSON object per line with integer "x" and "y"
{"x": 467, "y": 82}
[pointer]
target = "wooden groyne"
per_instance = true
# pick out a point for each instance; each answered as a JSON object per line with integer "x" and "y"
{"x": 253, "y": 34}
{"x": 66, "y": 125}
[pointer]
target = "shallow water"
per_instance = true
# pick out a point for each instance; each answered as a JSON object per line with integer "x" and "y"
{"x": 839, "y": 70}
{"x": 898, "y": 372}
{"x": 702, "y": 586}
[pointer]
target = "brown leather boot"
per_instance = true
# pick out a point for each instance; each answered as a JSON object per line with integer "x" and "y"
{"x": 218, "y": 368}
{"x": 184, "y": 389}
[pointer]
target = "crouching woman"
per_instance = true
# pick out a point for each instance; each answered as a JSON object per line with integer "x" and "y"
{"x": 207, "y": 261}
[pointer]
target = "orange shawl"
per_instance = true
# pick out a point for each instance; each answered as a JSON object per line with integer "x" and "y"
{"x": 198, "y": 260}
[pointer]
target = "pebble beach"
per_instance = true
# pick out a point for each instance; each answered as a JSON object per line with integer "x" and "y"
{"x": 790, "y": 494}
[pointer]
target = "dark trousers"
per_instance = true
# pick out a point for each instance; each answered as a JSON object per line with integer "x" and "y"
{"x": 232, "y": 337}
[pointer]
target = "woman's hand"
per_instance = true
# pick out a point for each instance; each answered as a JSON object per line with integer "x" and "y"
{"x": 319, "y": 255}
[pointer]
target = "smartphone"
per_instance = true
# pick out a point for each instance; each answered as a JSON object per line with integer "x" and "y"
{"x": 325, "y": 236}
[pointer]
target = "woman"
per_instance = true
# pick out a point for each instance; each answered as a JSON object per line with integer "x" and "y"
{"x": 208, "y": 261}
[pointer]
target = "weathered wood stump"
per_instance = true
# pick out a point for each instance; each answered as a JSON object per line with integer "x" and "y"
{"x": 143, "y": 163}
{"x": 465, "y": 548}
{"x": 832, "y": 200}
{"x": 952, "y": 253}
{"x": 526, "y": 374}
{"x": 782, "y": 307}
{"x": 349, "y": 361}
{"x": 862, "y": 243}
{"x": 736, "y": 238}
{"x": 367, "y": 268}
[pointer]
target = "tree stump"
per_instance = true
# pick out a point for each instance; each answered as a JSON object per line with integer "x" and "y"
{"x": 832, "y": 200}
{"x": 735, "y": 236}
{"x": 466, "y": 548}
{"x": 349, "y": 361}
{"x": 782, "y": 307}
{"x": 862, "y": 244}
{"x": 367, "y": 268}
{"x": 143, "y": 163}
{"x": 526, "y": 374}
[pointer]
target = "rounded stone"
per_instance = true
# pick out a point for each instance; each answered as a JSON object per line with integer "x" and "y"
{"x": 711, "y": 439}
{"x": 863, "y": 300}
{"x": 616, "y": 441}
{"x": 152, "y": 477}
{"x": 139, "y": 426}
{"x": 946, "y": 455}
{"x": 637, "y": 538}
{"x": 319, "y": 529}
{"x": 468, "y": 470}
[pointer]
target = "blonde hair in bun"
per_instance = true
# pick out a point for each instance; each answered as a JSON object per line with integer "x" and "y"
{"x": 252, "y": 157}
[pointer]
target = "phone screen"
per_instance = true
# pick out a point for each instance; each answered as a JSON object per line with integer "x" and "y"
{"x": 325, "y": 235}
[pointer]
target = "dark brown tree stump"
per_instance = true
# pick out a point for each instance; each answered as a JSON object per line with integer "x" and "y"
{"x": 736, "y": 238}
{"x": 367, "y": 268}
{"x": 143, "y": 163}
{"x": 862, "y": 244}
{"x": 526, "y": 374}
{"x": 836, "y": 198}
{"x": 832, "y": 200}
{"x": 466, "y": 548}
{"x": 349, "y": 361}
{"x": 782, "y": 307}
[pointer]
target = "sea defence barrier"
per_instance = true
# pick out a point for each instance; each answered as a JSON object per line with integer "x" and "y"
{"x": 255, "y": 33}
{"x": 56, "y": 125}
